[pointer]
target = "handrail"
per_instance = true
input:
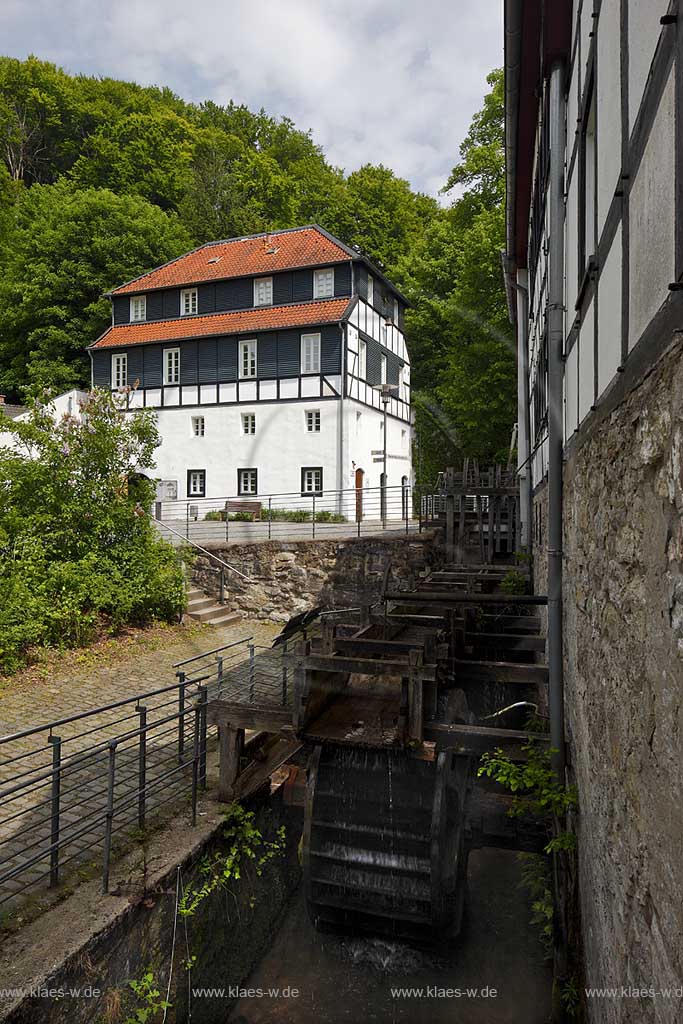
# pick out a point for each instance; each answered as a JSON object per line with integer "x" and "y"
{"x": 226, "y": 565}
{"x": 216, "y": 650}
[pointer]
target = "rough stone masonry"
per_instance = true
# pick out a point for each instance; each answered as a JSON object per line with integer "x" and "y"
{"x": 290, "y": 577}
{"x": 623, "y": 637}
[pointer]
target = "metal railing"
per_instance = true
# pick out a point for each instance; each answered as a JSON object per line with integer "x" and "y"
{"x": 74, "y": 788}
{"x": 248, "y": 517}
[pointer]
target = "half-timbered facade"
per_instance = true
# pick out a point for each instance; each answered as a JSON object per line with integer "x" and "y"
{"x": 594, "y": 268}
{"x": 263, "y": 358}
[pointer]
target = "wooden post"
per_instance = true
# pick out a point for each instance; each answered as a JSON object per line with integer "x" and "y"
{"x": 230, "y": 747}
{"x": 492, "y": 512}
{"x": 450, "y": 527}
{"x": 415, "y": 712}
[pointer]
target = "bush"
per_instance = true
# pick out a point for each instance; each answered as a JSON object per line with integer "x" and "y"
{"x": 79, "y": 551}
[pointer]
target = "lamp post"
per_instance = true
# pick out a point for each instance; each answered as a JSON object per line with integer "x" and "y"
{"x": 386, "y": 391}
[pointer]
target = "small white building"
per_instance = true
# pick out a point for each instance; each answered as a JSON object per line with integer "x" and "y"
{"x": 263, "y": 358}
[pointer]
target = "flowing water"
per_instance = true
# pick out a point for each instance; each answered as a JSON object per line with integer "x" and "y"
{"x": 357, "y": 979}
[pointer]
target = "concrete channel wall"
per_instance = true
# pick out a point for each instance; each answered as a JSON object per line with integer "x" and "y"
{"x": 623, "y": 640}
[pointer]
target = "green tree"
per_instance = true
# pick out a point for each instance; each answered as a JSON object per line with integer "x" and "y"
{"x": 79, "y": 551}
{"x": 67, "y": 247}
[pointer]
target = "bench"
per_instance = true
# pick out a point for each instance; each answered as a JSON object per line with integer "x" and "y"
{"x": 249, "y": 508}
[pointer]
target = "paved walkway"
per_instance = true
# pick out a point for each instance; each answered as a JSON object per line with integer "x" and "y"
{"x": 115, "y": 671}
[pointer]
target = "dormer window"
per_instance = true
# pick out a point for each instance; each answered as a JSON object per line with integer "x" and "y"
{"x": 323, "y": 283}
{"x": 188, "y": 301}
{"x": 263, "y": 291}
{"x": 138, "y": 307}
{"x": 371, "y": 289}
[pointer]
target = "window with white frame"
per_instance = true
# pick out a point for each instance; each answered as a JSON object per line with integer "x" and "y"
{"x": 247, "y": 481}
{"x": 395, "y": 317}
{"x": 371, "y": 289}
{"x": 362, "y": 359}
{"x": 196, "y": 483}
{"x": 313, "y": 421}
{"x": 138, "y": 307}
{"x": 248, "y": 423}
{"x": 171, "y": 366}
{"x": 263, "y": 291}
{"x": 248, "y": 358}
{"x": 310, "y": 353}
{"x": 198, "y": 426}
{"x": 383, "y": 369}
{"x": 312, "y": 480}
{"x": 188, "y": 301}
{"x": 119, "y": 370}
{"x": 323, "y": 283}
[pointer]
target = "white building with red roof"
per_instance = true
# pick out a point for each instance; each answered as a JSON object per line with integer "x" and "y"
{"x": 264, "y": 359}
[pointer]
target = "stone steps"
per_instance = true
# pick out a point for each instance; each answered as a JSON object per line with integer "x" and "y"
{"x": 202, "y": 608}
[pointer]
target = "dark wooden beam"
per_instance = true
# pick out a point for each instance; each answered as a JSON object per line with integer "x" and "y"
{"x": 449, "y": 597}
{"x": 362, "y": 666}
{"x": 474, "y": 740}
{"x": 248, "y": 716}
{"x": 499, "y": 672}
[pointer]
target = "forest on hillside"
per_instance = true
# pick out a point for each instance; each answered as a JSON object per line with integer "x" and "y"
{"x": 102, "y": 179}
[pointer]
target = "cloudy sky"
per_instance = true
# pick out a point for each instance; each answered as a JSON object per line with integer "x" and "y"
{"x": 378, "y": 81}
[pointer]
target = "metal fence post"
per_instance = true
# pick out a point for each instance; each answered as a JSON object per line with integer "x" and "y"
{"x": 219, "y": 670}
{"x": 284, "y": 673}
{"x": 195, "y": 761}
{"x": 109, "y": 816}
{"x": 181, "y": 717}
{"x": 187, "y": 520}
{"x": 54, "y": 808}
{"x": 252, "y": 672}
{"x": 313, "y": 517}
{"x": 203, "y": 699}
{"x": 142, "y": 766}
{"x": 270, "y": 516}
{"x": 227, "y": 518}
{"x": 221, "y": 598}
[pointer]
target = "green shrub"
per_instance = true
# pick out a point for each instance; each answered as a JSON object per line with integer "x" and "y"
{"x": 513, "y": 582}
{"x": 79, "y": 552}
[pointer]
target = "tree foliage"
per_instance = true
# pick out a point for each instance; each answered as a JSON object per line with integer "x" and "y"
{"x": 78, "y": 549}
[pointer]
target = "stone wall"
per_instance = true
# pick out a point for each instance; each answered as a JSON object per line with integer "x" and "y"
{"x": 623, "y": 637}
{"x": 228, "y": 933}
{"x": 290, "y": 577}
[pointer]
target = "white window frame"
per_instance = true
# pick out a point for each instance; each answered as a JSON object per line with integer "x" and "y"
{"x": 310, "y": 353}
{"x": 371, "y": 289}
{"x": 171, "y": 366}
{"x": 138, "y": 308}
{"x": 396, "y": 312}
{"x": 119, "y": 369}
{"x": 308, "y": 475}
{"x": 189, "y": 297}
{"x": 248, "y": 421}
{"x": 266, "y": 282}
{"x": 323, "y": 283}
{"x": 248, "y": 367}
{"x": 252, "y": 478}
{"x": 198, "y": 426}
{"x": 362, "y": 359}
{"x": 312, "y": 419}
{"x": 200, "y": 475}
{"x": 382, "y": 369}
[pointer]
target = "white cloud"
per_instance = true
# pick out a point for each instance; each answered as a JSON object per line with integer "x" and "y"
{"x": 393, "y": 83}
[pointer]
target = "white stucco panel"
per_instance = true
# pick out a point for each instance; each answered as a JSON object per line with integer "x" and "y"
{"x": 609, "y": 106}
{"x": 586, "y": 363}
{"x": 652, "y": 236}
{"x": 643, "y": 34}
{"x": 609, "y": 315}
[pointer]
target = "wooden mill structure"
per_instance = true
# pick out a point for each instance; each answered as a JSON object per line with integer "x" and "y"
{"x": 391, "y": 705}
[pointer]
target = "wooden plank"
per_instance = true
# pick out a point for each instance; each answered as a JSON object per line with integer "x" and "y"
{"x": 248, "y": 716}
{"x": 254, "y": 776}
{"x": 356, "y": 647}
{"x": 415, "y": 712}
{"x": 450, "y": 597}
{"x": 499, "y": 672}
{"x": 474, "y": 740}
{"x": 362, "y": 666}
{"x": 512, "y": 641}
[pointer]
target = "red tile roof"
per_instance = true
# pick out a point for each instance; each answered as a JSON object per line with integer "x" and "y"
{"x": 240, "y": 257}
{"x": 240, "y": 322}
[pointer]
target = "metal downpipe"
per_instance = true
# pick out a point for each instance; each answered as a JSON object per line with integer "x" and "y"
{"x": 555, "y": 415}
